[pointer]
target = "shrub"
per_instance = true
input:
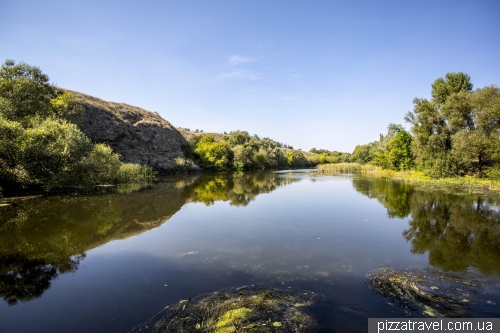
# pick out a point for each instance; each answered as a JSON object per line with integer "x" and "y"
{"x": 133, "y": 173}
{"x": 214, "y": 155}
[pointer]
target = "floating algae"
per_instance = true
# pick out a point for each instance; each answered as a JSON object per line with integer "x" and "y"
{"x": 433, "y": 293}
{"x": 245, "y": 309}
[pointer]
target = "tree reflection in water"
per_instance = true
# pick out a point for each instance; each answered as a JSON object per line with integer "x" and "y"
{"x": 457, "y": 231}
{"x": 22, "y": 279}
{"x": 45, "y": 237}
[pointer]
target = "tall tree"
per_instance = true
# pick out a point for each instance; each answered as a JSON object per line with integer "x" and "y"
{"x": 474, "y": 120}
{"x": 433, "y": 123}
{"x": 451, "y": 83}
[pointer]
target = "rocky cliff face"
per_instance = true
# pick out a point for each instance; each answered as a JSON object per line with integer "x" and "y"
{"x": 139, "y": 136}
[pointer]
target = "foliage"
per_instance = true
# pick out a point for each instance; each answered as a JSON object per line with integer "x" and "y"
{"x": 102, "y": 165}
{"x": 362, "y": 154}
{"x": 494, "y": 172}
{"x": 296, "y": 159}
{"x": 252, "y": 152}
{"x": 213, "y": 155}
{"x": 240, "y": 151}
{"x": 452, "y": 83}
{"x": 185, "y": 164}
{"x": 348, "y": 168}
{"x": 322, "y": 156}
{"x": 458, "y": 129}
{"x": 67, "y": 108}
{"x": 24, "y": 92}
{"x": 41, "y": 146}
{"x": 391, "y": 151}
{"x": 133, "y": 173}
{"x": 51, "y": 152}
{"x": 399, "y": 152}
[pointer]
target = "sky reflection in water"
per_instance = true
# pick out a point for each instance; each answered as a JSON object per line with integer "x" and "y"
{"x": 108, "y": 262}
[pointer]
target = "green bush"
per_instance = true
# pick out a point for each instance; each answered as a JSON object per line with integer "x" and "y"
{"x": 296, "y": 159}
{"x": 214, "y": 155}
{"x": 494, "y": 172}
{"x": 51, "y": 152}
{"x": 41, "y": 145}
{"x": 133, "y": 173}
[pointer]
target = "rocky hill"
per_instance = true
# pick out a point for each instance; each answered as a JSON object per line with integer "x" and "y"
{"x": 139, "y": 136}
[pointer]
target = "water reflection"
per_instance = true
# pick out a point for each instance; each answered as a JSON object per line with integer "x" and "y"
{"x": 456, "y": 231}
{"x": 237, "y": 188}
{"x": 45, "y": 237}
{"x": 23, "y": 279}
{"x": 394, "y": 196}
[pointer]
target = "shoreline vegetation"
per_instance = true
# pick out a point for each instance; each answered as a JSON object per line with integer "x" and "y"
{"x": 463, "y": 184}
{"x": 453, "y": 143}
{"x": 42, "y": 148}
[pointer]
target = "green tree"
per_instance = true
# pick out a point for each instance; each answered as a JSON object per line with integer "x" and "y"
{"x": 10, "y": 133}
{"x": 362, "y": 154}
{"x": 442, "y": 88}
{"x": 243, "y": 157}
{"x": 25, "y": 92}
{"x": 475, "y": 123}
{"x": 429, "y": 128}
{"x": 214, "y": 155}
{"x": 66, "y": 107}
{"x": 296, "y": 159}
{"x": 40, "y": 144}
{"x": 52, "y": 151}
{"x": 236, "y": 138}
{"x": 399, "y": 152}
{"x": 433, "y": 124}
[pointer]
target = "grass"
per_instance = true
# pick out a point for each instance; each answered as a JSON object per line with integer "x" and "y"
{"x": 467, "y": 184}
{"x": 348, "y": 168}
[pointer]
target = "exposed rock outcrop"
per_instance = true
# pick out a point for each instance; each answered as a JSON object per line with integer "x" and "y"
{"x": 139, "y": 136}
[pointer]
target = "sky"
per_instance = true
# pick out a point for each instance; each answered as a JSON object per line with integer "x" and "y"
{"x": 322, "y": 74}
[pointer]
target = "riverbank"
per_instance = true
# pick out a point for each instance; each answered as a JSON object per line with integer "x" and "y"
{"x": 461, "y": 185}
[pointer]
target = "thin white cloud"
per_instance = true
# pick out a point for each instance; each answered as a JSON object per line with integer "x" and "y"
{"x": 237, "y": 59}
{"x": 240, "y": 73}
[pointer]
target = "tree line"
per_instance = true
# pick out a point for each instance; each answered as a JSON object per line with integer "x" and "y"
{"x": 241, "y": 151}
{"x": 454, "y": 133}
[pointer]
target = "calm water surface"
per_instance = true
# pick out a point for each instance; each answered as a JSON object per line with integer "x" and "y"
{"x": 106, "y": 263}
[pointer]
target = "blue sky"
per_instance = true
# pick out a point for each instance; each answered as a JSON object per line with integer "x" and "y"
{"x": 323, "y": 74}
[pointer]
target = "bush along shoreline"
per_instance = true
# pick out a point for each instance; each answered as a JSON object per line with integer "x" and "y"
{"x": 453, "y": 142}
{"x": 42, "y": 148}
{"x": 459, "y": 185}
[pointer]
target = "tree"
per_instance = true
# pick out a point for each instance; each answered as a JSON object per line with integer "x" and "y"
{"x": 475, "y": 124}
{"x": 433, "y": 123}
{"x": 296, "y": 158}
{"x": 362, "y": 154}
{"x": 452, "y": 83}
{"x": 214, "y": 155}
{"x": 243, "y": 157}
{"x": 51, "y": 152}
{"x": 40, "y": 144}
{"x": 430, "y": 130}
{"x": 399, "y": 152}
{"x": 25, "y": 91}
{"x": 237, "y": 138}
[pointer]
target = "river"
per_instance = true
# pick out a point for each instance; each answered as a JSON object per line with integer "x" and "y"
{"x": 108, "y": 262}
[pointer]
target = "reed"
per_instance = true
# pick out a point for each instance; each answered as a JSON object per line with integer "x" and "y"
{"x": 467, "y": 184}
{"x": 348, "y": 168}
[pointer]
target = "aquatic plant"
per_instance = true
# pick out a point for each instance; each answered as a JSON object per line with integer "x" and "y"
{"x": 432, "y": 293}
{"x": 245, "y": 309}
